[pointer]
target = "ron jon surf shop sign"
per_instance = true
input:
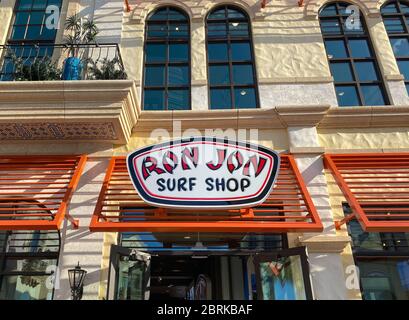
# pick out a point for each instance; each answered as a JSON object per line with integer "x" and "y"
{"x": 203, "y": 172}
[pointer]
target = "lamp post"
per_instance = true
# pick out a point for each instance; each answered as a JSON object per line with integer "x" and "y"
{"x": 76, "y": 277}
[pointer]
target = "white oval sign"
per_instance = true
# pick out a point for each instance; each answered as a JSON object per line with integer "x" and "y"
{"x": 203, "y": 173}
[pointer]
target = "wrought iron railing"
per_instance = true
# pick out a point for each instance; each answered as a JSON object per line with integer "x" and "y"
{"x": 47, "y": 62}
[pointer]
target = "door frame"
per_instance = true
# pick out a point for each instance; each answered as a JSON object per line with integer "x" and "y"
{"x": 116, "y": 252}
{"x": 257, "y": 256}
{"x": 297, "y": 251}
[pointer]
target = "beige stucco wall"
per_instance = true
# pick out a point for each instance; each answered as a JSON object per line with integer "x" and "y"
{"x": 365, "y": 138}
{"x": 275, "y": 138}
{"x": 6, "y": 15}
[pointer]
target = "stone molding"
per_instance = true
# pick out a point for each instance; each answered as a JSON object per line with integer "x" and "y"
{"x": 68, "y": 110}
{"x": 324, "y": 243}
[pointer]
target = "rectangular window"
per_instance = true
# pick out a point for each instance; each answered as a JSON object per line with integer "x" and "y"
{"x": 383, "y": 262}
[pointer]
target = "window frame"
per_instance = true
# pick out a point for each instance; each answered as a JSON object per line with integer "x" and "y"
{"x": 405, "y": 34}
{"x": 228, "y": 40}
{"x": 167, "y": 41}
{"x": 345, "y": 37}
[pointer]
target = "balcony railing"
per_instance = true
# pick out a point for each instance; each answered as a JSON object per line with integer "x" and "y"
{"x": 46, "y": 62}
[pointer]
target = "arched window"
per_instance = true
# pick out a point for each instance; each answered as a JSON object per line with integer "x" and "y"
{"x": 395, "y": 16}
{"x": 167, "y": 61}
{"x": 357, "y": 78}
{"x": 231, "y": 70}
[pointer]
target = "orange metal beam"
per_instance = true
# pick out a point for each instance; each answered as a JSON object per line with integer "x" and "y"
{"x": 388, "y": 211}
{"x": 28, "y": 202}
{"x": 119, "y": 208}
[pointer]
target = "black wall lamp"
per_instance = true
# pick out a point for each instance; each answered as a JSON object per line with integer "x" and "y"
{"x": 76, "y": 277}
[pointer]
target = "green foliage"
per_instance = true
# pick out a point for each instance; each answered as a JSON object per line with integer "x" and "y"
{"x": 108, "y": 69}
{"x": 81, "y": 31}
{"x": 42, "y": 69}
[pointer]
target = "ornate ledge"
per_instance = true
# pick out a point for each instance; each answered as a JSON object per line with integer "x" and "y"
{"x": 68, "y": 110}
{"x": 366, "y": 117}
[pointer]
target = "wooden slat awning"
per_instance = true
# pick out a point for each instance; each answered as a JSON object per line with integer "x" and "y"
{"x": 376, "y": 186}
{"x": 35, "y": 190}
{"x": 289, "y": 208}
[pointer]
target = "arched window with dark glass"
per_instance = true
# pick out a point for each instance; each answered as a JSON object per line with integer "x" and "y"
{"x": 357, "y": 78}
{"x": 395, "y": 16}
{"x": 230, "y": 54}
{"x": 166, "y": 83}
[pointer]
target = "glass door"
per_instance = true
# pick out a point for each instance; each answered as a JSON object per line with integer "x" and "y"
{"x": 129, "y": 274}
{"x": 283, "y": 275}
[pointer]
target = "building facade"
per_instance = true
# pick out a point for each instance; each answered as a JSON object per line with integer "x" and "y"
{"x": 323, "y": 83}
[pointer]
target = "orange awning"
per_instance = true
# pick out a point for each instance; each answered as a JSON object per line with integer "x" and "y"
{"x": 289, "y": 208}
{"x": 35, "y": 190}
{"x": 376, "y": 186}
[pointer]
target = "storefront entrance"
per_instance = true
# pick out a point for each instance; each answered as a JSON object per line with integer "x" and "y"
{"x": 209, "y": 275}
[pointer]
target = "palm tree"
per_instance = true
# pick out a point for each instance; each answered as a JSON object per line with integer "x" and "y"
{"x": 82, "y": 31}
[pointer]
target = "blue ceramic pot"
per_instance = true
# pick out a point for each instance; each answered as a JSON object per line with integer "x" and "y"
{"x": 72, "y": 69}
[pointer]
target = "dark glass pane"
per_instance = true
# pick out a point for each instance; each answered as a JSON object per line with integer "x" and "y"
{"x": 345, "y": 9}
{"x": 404, "y": 68}
{"x": 25, "y": 4}
{"x": 407, "y": 87}
{"x": 347, "y": 96}
{"x": 176, "y": 15}
{"x": 178, "y": 52}
{"x": 55, "y": 2}
{"x": 218, "y": 14}
{"x": 373, "y": 95}
{"x": 400, "y": 46}
{"x": 18, "y": 33}
{"x": 330, "y": 26}
{"x": 48, "y": 34}
{"x": 160, "y": 14}
{"x": 238, "y": 28}
{"x": 218, "y": 52}
{"x": 384, "y": 278}
{"x": 30, "y": 265}
{"x": 21, "y": 18}
{"x": 36, "y": 17}
{"x": 220, "y": 99}
{"x": 217, "y": 30}
{"x": 155, "y": 76}
{"x": 359, "y": 48}
{"x": 219, "y": 75}
{"x": 178, "y": 30}
{"x": 155, "y": 52}
{"x": 233, "y": 13}
{"x": 39, "y": 4}
{"x": 154, "y": 100}
{"x": 329, "y": 10}
{"x": 245, "y": 98}
{"x": 393, "y": 25}
{"x": 389, "y": 8}
{"x": 33, "y": 32}
{"x": 335, "y": 49}
{"x": 243, "y": 74}
{"x": 366, "y": 71}
{"x": 241, "y": 51}
{"x": 404, "y": 7}
{"x": 157, "y": 30}
{"x": 341, "y": 71}
{"x": 178, "y": 100}
{"x": 178, "y": 75}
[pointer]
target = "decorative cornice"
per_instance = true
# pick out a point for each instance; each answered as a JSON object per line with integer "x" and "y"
{"x": 366, "y": 117}
{"x": 70, "y": 107}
